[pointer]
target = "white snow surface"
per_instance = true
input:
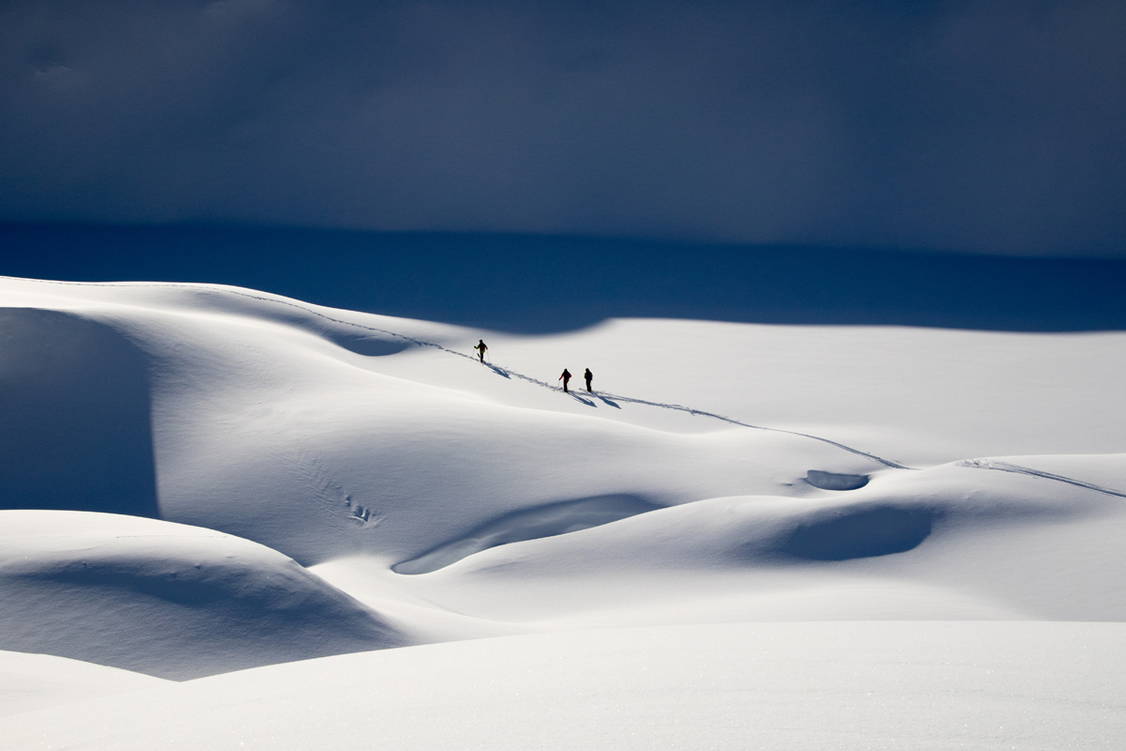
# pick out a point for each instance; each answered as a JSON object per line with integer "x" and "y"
{"x": 168, "y": 599}
{"x": 746, "y": 536}
{"x": 784, "y": 687}
{"x": 37, "y": 681}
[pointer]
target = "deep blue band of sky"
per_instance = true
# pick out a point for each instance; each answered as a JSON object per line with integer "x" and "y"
{"x": 537, "y": 284}
{"x": 992, "y": 126}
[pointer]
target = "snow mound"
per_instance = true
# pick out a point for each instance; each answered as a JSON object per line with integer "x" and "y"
{"x": 166, "y": 599}
{"x": 680, "y": 491}
{"x": 858, "y": 532}
{"x": 527, "y": 524}
{"x": 934, "y": 544}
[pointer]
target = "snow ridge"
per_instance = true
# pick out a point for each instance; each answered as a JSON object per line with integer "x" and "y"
{"x": 645, "y": 580}
{"x": 503, "y": 371}
{"x": 607, "y": 397}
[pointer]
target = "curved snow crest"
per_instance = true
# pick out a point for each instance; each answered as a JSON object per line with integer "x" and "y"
{"x": 367, "y": 339}
{"x": 302, "y": 312}
{"x": 258, "y": 433}
{"x": 267, "y": 429}
{"x": 361, "y": 333}
{"x": 920, "y": 545}
{"x": 167, "y": 599}
{"x": 895, "y": 513}
{"x": 537, "y": 522}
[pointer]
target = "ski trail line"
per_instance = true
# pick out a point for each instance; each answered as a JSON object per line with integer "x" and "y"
{"x": 1030, "y": 472}
{"x": 969, "y": 463}
{"x": 703, "y": 413}
{"x": 506, "y": 371}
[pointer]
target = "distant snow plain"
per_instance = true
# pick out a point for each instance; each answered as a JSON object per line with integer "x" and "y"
{"x": 240, "y": 520}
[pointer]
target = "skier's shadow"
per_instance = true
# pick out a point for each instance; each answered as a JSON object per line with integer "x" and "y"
{"x": 499, "y": 371}
{"x": 613, "y": 404}
{"x": 587, "y": 402}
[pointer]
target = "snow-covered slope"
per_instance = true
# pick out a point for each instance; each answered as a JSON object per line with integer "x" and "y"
{"x": 777, "y": 687}
{"x": 718, "y": 473}
{"x": 166, "y": 599}
{"x": 38, "y": 681}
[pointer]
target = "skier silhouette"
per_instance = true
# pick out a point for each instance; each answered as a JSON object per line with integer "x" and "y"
{"x": 481, "y": 347}
{"x": 565, "y": 378}
{"x": 589, "y": 377}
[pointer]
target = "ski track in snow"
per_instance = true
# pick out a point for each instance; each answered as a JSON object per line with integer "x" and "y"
{"x": 605, "y": 396}
{"x": 1030, "y": 472}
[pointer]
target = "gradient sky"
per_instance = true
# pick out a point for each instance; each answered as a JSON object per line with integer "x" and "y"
{"x": 968, "y": 126}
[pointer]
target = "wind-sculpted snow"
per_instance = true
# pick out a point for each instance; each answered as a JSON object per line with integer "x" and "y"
{"x": 859, "y": 532}
{"x": 528, "y": 524}
{"x": 165, "y": 599}
{"x": 388, "y": 342}
{"x": 939, "y": 543}
{"x": 366, "y": 345}
{"x": 407, "y": 493}
{"x": 505, "y": 372}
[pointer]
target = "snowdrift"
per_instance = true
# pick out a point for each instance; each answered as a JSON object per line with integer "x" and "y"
{"x": 203, "y": 479}
{"x": 166, "y": 599}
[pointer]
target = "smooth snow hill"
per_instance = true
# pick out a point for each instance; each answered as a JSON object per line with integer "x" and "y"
{"x": 779, "y": 687}
{"x": 204, "y": 479}
{"x": 166, "y": 599}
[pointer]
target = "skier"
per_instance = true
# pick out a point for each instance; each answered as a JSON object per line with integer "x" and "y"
{"x": 589, "y": 377}
{"x": 565, "y": 378}
{"x": 480, "y": 347}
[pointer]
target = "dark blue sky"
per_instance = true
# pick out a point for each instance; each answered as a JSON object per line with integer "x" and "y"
{"x": 968, "y": 126}
{"x": 536, "y": 284}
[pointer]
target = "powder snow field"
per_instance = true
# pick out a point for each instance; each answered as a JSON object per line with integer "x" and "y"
{"x": 339, "y": 529}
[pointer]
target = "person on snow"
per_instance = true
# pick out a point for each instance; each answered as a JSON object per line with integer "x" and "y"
{"x": 480, "y": 347}
{"x": 589, "y": 377}
{"x": 566, "y": 377}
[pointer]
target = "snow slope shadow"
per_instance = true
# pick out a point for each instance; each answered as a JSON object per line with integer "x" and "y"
{"x": 365, "y": 343}
{"x": 858, "y": 532}
{"x": 834, "y": 480}
{"x": 527, "y": 524}
{"x": 169, "y": 600}
{"x": 74, "y": 399}
{"x": 508, "y": 373}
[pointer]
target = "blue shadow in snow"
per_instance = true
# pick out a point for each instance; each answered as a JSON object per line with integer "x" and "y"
{"x": 844, "y": 534}
{"x": 74, "y": 396}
